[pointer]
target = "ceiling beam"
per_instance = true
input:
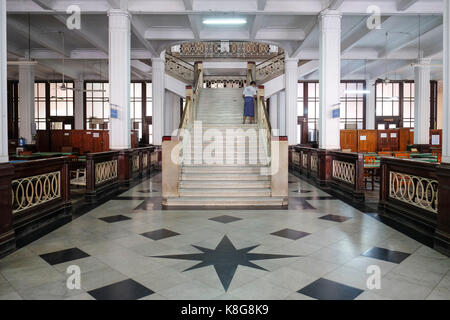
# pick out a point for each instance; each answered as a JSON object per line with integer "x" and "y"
{"x": 138, "y": 29}
{"x": 433, "y": 26}
{"x": 335, "y": 4}
{"x": 308, "y": 68}
{"x": 358, "y": 32}
{"x": 261, "y": 4}
{"x": 59, "y": 68}
{"x": 195, "y": 25}
{"x": 314, "y": 23}
{"x": 46, "y": 40}
{"x": 86, "y": 32}
{"x": 403, "y": 5}
{"x": 43, "y": 4}
{"x": 188, "y": 4}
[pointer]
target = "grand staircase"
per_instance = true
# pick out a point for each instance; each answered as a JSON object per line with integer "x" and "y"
{"x": 234, "y": 173}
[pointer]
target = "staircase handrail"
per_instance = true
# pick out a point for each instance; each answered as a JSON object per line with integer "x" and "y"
{"x": 190, "y": 107}
{"x": 263, "y": 121}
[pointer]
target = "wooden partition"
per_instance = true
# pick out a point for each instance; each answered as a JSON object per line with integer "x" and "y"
{"x": 384, "y": 140}
{"x": 388, "y": 140}
{"x": 83, "y": 141}
{"x": 34, "y": 196}
{"x": 349, "y": 140}
{"x": 367, "y": 141}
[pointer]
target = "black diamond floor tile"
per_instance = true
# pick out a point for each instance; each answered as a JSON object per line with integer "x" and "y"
{"x": 335, "y": 218}
{"x": 290, "y": 234}
{"x": 159, "y": 234}
{"x": 386, "y": 255}
{"x": 323, "y": 289}
{"x": 117, "y": 218}
{"x": 63, "y": 256}
{"x": 225, "y": 219}
{"x": 123, "y": 290}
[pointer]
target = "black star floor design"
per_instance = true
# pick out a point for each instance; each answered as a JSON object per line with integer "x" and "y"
{"x": 225, "y": 258}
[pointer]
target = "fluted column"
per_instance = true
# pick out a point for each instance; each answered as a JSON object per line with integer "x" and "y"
{"x": 119, "y": 79}
{"x": 330, "y": 78}
{"x": 27, "y": 126}
{"x": 158, "y": 75}
{"x": 422, "y": 102}
{"x": 79, "y": 104}
{"x": 291, "y": 85}
{"x": 3, "y": 86}
{"x": 370, "y": 105}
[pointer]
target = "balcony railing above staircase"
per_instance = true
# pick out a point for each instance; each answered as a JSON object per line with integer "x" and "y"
{"x": 270, "y": 69}
{"x": 180, "y": 69}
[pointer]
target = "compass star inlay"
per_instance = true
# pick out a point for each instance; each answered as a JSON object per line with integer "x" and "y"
{"x": 225, "y": 258}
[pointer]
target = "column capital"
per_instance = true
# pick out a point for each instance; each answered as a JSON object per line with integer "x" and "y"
{"x": 330, "y": 20}
{"x": 118, "y": 12}
{"x": 423, "y": 62}
{"x": 329, "y": 13}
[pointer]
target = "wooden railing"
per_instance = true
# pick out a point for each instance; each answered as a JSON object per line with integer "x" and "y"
{"x": 102, "y": 173}
{"x": 34, "y": 196}
{"x": 410, "y": 189}
{"x": 270, "y": 68}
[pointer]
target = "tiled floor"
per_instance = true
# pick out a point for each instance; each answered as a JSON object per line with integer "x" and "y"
{"x": 320, "y": 248}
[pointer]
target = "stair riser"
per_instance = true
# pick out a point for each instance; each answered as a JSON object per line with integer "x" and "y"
{"x": 230, "y": 177}
{"x": 214, "y": 185}
{"x": 239, "y": 194}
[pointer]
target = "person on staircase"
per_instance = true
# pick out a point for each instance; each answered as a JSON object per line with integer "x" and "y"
{"x": 249, "y": 101}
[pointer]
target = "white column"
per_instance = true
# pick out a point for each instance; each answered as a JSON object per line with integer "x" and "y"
{"x": 282, "y": 114}
{"x": 119, "y": 78}
{"x": 79, "y": 104}
{"x": 291, "y": 85}
{"x": 176, "y": 116}
{"x": 168, "y": 113}
{"x": 158, "y": 70}
{"x": 330, "y": 78}
{"x": 273, "y": 111}
{"x": 3, "y": 86}
{"x": 422, "y": 102}
{"x": 27, "y": 126}
{"x": 370, "y": 105}
{"x": 446, "y": 99}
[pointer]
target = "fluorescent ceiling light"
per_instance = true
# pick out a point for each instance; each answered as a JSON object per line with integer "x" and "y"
{"x": 357, "y": 91}
{"x": 225, "y": 21}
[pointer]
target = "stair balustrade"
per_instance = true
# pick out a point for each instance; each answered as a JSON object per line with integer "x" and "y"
{"x": 179, "y": 69}
{"x": 270, "y": 68}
